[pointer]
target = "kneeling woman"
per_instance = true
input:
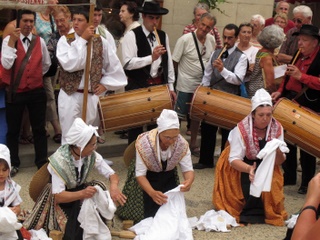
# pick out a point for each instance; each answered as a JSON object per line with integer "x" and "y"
{"x": 235, "y": 172}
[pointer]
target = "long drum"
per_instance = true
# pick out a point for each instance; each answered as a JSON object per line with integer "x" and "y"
{"x": 218, "y": 108}
{"x": 301, "y": 126}
{"x": 133, "y": 108}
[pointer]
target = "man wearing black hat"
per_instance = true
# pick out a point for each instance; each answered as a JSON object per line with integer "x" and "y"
{"x": 302, "y": 85}
{"x": 147, "y": 62}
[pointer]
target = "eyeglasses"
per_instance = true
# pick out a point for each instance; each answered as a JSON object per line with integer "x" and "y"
{"x": 170, "y": 138}
{"x": 297, "y": 20}
{"x": 283, "y": 8}
{"x": 203, "y": 51}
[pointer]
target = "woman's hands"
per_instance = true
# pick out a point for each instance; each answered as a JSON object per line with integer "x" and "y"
{"x": 158, "y": 197}
{"x": 251, "y": 172}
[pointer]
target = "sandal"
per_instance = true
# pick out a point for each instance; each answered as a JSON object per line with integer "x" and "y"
{"x": 26, "y": 140}
{"x": 57, "y": 138}
{"x": 101, "y": 140}
{"x": 195, "y": 151}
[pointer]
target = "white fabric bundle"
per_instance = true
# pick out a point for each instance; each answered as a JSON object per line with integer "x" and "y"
{"x": 170, "y": 222}
{"x": 8, "y": 224}
{"x": 89, "y": 217}
{"x": 39, "y": 234}
{"x": 263, "y": 176}
{"x": 215, "y": 221}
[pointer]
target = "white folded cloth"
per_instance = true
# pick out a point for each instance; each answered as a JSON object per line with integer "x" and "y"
{"x": 263, "y": 176}
{"x": 170, "y": 222}
{"x": 215, "y": 221}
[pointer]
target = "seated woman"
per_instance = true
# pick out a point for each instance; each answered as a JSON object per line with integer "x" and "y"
{"x": 70, "y": 167}
{"x": 158, "y": 152}
{"x": 262, "y": 75}
{"x": 238, "y": 163}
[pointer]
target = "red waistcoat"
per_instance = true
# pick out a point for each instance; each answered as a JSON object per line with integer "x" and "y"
{"x": 32, "y": 74}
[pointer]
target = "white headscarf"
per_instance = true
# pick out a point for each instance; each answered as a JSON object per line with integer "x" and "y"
{"x": 261, "y": 97}
{"x": 5, "y": 154}
{"x": 168, "y": 120}
{"x": 80, "y": 133}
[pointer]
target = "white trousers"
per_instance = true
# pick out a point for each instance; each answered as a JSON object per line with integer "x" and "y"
{"x": 70, "y": 107}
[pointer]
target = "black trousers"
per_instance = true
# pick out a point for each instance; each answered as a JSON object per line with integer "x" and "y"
{"x": 308, "y": 166}
{"x": 36, "y": 102}
{"x": 208, "y": 143}
{"x": 133, "y": 133}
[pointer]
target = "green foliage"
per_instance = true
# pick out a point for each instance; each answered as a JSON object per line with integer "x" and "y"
{"x": 213, "y": 4}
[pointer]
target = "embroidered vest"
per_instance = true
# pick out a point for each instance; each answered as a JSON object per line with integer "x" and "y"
{"x": 139, "y": 76}
{"x": 252, "y": 146}
{"x": 146, "y": 145}
{"x": 61, "y": 162}
{"x": 69, "y": 81}
{"x": 217, "y": 81}
{"x": 32, "y": 75}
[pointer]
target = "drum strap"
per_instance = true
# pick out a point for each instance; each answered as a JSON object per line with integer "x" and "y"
{"x": 198, "y": 51}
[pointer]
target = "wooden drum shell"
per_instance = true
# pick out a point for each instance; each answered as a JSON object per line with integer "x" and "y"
{"x": 134, "y": 108}
{"x": 301, "y": 126}
{"x": 218, "y": 108}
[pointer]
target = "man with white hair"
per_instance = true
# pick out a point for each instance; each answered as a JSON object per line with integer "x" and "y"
{"x": 257, "y": 22}
{"x": 281, "y": 7}
{"x": 301, "y": 15}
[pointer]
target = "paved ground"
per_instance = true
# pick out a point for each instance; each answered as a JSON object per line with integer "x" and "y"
{"x": 198, "y": 200}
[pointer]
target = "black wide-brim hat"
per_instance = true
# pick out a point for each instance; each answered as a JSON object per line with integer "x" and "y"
{"x": 308, "y": 29}
{"x": 152, "y": 8}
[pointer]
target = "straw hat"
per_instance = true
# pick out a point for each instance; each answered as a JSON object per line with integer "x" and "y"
{"x": 38, "y": 182}
{"x": 129, "y": 153}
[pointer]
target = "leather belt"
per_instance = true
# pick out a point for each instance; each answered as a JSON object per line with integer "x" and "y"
{"x": 82, "y": 91}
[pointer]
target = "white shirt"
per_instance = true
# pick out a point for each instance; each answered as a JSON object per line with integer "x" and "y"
{"x": 132, "y": 61}
{"x": 103, "y": 168}
{"x": 231, "y": 77}
{"x": 9, "y": 54}
{"x": 189, "y": 69}
{"x": 73, "y": 58}
{"x": 108, "y": 37}
{"x": 185, "y": 163}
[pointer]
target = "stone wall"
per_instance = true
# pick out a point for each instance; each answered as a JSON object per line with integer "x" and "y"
{"x": 237, "y": 11}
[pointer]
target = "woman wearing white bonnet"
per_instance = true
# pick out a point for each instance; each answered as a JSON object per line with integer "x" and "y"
{"x": 238, "y": 168}
{"x": 70, "y": 166}
{"x": 158, "y": 152}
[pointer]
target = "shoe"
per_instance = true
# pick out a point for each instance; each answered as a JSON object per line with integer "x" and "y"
{"x": 124, "y": 135}
{"x": 119, "y": 132}
{"x": 57, "y": 138}
{"x": 109, "y": 162}
{"x": 14, "y": 171}
{"x": 195, "y": 151}
{"x": 201, "y": 166}
{"x": 302, "y": 190}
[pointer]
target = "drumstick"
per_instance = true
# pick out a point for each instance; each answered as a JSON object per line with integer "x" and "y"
{"x": 157, "y": 36}
{"x": 222, "y": 51}
{"x": 296, "y": 56}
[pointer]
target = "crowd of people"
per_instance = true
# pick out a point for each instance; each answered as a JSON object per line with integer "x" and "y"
{"x": 39, "y": 49}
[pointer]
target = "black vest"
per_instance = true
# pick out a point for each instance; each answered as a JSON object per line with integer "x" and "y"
{"x": 137, "y": 78}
